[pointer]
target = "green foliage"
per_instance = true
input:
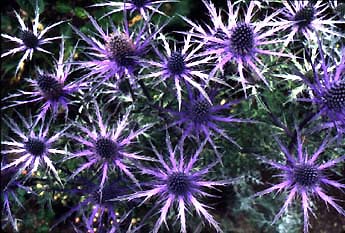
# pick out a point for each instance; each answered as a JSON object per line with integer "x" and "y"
{"x": 30, "y": 6}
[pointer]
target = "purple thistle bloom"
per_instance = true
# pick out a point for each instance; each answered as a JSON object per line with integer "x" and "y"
{"x": 177, "y": 182}
{"x": 329, "y": 93}
{"x": 33, "y": 148}
{"x": 8, "y": 193}
{"x": 305, "y": 177}
{"x": 29, "y": 40}
{"x": 142, "y": 6}
{"x": 116, "y": 53}
{"x": 198, "y": 117}
{"x": 102, "y": 209}
{"x": 182, "y": 66}
{"x": 306, "y": 18}
{"x": 237, "y": 41}
{"x": 50, "y": 88}
{"x": 106, "y": 148}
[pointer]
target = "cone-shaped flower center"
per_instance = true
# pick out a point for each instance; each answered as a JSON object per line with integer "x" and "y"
{"x": 335, "y": 97}
{"x": 242, "y": 39}
{"x": 35, "y": 147}
{"x": 305, "y": 175}
{"x": 29, "y": 39}
{"x": 121, "y": 50}
{"x": 176, "y": 64}
{"x": 200, "y": 110}
{"x": 178, "y": 183}
{"x": 305, "y": 16}
{"x": 50, "y": 87}
{"x": 106, "y": 148}
{"x": 140, "y": 3}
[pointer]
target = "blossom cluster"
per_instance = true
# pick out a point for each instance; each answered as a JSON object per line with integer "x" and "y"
{"x": 134, "y": 117}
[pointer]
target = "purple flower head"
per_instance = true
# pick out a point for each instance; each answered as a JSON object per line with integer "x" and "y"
{"x": 306, "y": 18}
{"x": 329, "y": 93}
{"x": 114, "y": 53}
{"x": 104, "y": 211}
{"x": 50, "y": 89}
{"x": 33, "y": 148}
{"x": 8, "y": 195}
{"x": 29, "y": 40}
{"x": 182, "y": 66}
{"x": 237, "y": 41}
{"x": 199, "y": 117}
{"x": 106, "y": 147}
{"x": 142, "y": 6}
{"x": 103, "y": 214}
{"x": 176, "y": 181}
{"x": 303, "y": 176}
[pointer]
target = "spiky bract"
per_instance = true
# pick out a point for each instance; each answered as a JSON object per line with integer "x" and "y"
{"x": 142, "y": 6}
{"x": 237, "y": 40}
{"x": 184, "y": 66}
{"x": 107, "y": 147}
{"x": 32, "y": 146}
{"x": 179, "y": 182}
{"x": 306, "y": 18}
{"x": 301, "y": 175}
{"x": 49, "y": 89}
{"x": 198, "y": 117}
{"x": 29, "y": 40}
{"x": 114, "y": 52}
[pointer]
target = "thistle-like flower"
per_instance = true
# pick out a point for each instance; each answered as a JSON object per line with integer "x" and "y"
{"x": 237, "y": 41}
{"x": 179, "y": 183}
{"x": 107, "y": 147}
{"x": 303, "y": 176}
{"x": 329, "y": 93}
{"x": 102, "y": 217}
{"x": 199, "y": 117}
{"x": 182, "y": 66}
{"x": 8, "y": 195}
{"x": 307, "y": 18}
{"x": 116, "y": 53}
{"x": 29, "y": 40}
{"x": 142, "y": 6}
{"x": 33, "y": 148}
{"x": 50, "y": 89}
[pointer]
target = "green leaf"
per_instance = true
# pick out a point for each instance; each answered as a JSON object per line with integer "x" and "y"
{"x": 80, "y": 12}
{"x": 63, "y": 7}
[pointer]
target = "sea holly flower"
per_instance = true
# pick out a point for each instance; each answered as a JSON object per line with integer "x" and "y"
{"x": 303, "y": 176}
{"x": 178, "y": 181}
{"x": 182, "y": 66}
{"x": 9, "y": 188}
{"x": 28, "y": 40}
{"x": 106, "y": 148}
{"x": 198, "y": 117}
{"x": 50, "y": 89}
{"x": 306, "y": 18}
{"x": 237, "y": 40}
{"x": 142, "y": 6}
{"x": 103, "y": 215}
{"x": 328, "y": 89}
{"x": 115, "y": 52}
{"x": 34, "y": 147}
